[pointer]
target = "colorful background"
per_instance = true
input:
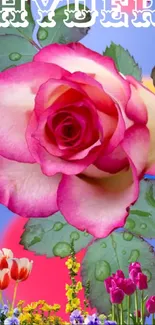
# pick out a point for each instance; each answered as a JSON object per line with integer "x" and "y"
{"x": 49, "y": 276}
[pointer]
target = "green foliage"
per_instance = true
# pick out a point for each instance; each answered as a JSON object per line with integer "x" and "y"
{"x": 141, "y": 220}
{"x": 106, "y": 256}
{"x": 52, "y": 236}
{"x": 125, "y": 63}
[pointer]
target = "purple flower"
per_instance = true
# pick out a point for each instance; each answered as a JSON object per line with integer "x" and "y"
{"x": 110, "y": 322}
{"x": 92, "y": 320}
{"x": 76, "y": 317}
{"x": 11, "y": 321}
{"x": 16, "y": 312}
{"x": 4, "y": 310}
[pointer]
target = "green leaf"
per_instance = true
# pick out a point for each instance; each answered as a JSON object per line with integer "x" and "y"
{"x": 141, "y": 220}
{"x": 52, "y": 236}
{"x": 61, "y": 33}
{"x": 14, "y": 50}
{"x": 125, "y": 63}
{"x": 106, "y": 256}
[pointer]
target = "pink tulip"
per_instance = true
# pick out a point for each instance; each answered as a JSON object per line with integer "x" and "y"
{"x": 141, "y": 281}
{"x": 108, "y": 283}
{"x": 119, "y": 274}
{"x": 133, "y": 274}
{"x": 129, "y": 287}
{"x": 150, "y": 305}
{"x": 116, "y": 295}
{"x": 135, "y": 265}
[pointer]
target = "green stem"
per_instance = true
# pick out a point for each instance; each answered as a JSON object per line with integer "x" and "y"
{"x": 14, "y": 294}
{"x": 153, "y": 319}
{"x": 136, "y": 305}
{"x": 1, "y": 298}
{"x": 121, "y": 314}
{"x": 118, "y": 318}
{"x": 128, "y": 310}
{"x": 142, "y": 307}
{"x": 113, "y": 312}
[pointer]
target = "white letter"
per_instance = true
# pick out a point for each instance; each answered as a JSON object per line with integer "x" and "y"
{"x": 17, "y": 12}
{"x": 113, "y": 15}
{"x": 143, "y": 17}
{"x": 81, "y": 15}
{"x": 45, "y": 7}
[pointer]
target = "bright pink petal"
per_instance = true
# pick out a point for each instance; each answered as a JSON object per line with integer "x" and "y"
{"x": 105, "y": 203}
{"x": 136, "y": 109}
{"x": 26, "y": 191}
{"x": 18, "y": 87}
{"x": 76, "y": 57}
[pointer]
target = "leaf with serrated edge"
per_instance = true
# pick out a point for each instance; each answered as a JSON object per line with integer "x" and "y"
{"x": 106, "y": 256}
{"x": 141, "y": 219}
{"x": 52, "y": 236}
{"x": 14, "y": 50}
{"x": 125, "y": 63}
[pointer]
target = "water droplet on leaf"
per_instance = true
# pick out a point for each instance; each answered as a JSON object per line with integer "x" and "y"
{"x": 123, "y": 252}
{"x": 42, "y": 34}
{"x": 103, "y": 244}
{"x": 86, "y": 234}
{"x": 102, "y": 270}
{"x": 74, "y": 235}
{"x": 58, "y": 226}
{"x": 15, "y": 56}
{"x": 61, "y": 249}
{"x": 143, "y": 226}
{"x": 130, "y": 223}
{"x": 134, "y": 256}
{"x": 127, "y": 236}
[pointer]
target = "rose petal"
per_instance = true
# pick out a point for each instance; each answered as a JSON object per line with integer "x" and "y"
{"x": 105, "y": 204}
{"x": 26, "y": 191}
{"x": 76, "y": 57}
{"x": 149, "y": 101}
{"x": 18, "y": 87}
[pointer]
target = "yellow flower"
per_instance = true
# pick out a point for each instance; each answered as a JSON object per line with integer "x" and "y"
{"x": 67, "y": 286}
{"x": 75, "y": 303}
{"x": 56, "y": 307}
{"x": 69, "y": 293}
{"x": 26, "y": 317}
{"x": 69, "y": 263}
{"x": 41, "y": 302}
{"x": 76, "y": 267}
{"x": 69, "y": 308}
{"x": 30, "y": 307}
{"x": 46, "y": 307}
{"x": 78, "y": 286}
{"x": 20, "y": 303}
{"x": 37, "y": 318}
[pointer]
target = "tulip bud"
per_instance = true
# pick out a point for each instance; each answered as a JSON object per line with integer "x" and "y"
{"x": 20, "y": 268}
{"x": 119, "y": 274}
{"x": 4, "y": 278}
{"x": 141, "y": 281}
{"x": 133, "y": 275}
{"x": 129, "y": 287}
{"x": 150, "y": 305}
{"x": 108, "y": 283}
{"x": 116, "y": 295}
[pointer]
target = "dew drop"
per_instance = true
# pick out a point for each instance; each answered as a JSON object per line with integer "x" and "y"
{"x": 86, "y": 234}
{"x": 134, "y": 256}
{"x": 15, "y": 56}
{"x": 148, "y": 274}
{"x": 42, "y": 34}
{"x": 58, "y": 226}
{"x": 61, "y": 249}
{"x": 130, "y": 223}
{"x": 103, "y": 244}
{"x": 74, "y": 235}
{"x": 143, "y": 226}
{"x": 102, "y": 270}
{"x": 124, "y": 252}
{"x": 127, "y": 236}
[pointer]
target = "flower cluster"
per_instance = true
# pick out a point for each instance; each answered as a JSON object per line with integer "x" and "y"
{"x": 119, "y": 287}
{"x": 73, "y": 289}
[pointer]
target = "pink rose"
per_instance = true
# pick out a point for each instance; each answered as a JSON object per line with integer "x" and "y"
{"x": 74, "y": 138}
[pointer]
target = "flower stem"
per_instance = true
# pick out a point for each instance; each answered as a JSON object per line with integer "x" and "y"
{"x": 1, "y": 298}
{"x": 153, "y": 319}
{"x": 121, "y": 314}
{"x": 128, "y": 310}
{"x": 118, "y": 318}
{"x": 136, "y": 306}
{"x": 142, "y": 307}
{"x": 14, "y": 294}
{"x": 113, "y": 312}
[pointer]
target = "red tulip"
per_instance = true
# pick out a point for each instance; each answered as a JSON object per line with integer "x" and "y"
{"x": 135, "y": 265}
{"x": 108, "y": 283}
{"x": 20, "y": 268}
{"x": 4, "y": 255}
{"x": 129, "y": 287}
{"x": 150, "y": 305}
{"x": 4, "y": 278}
{"x": 116, "y": 294}
{"x": 141, "y": 281}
